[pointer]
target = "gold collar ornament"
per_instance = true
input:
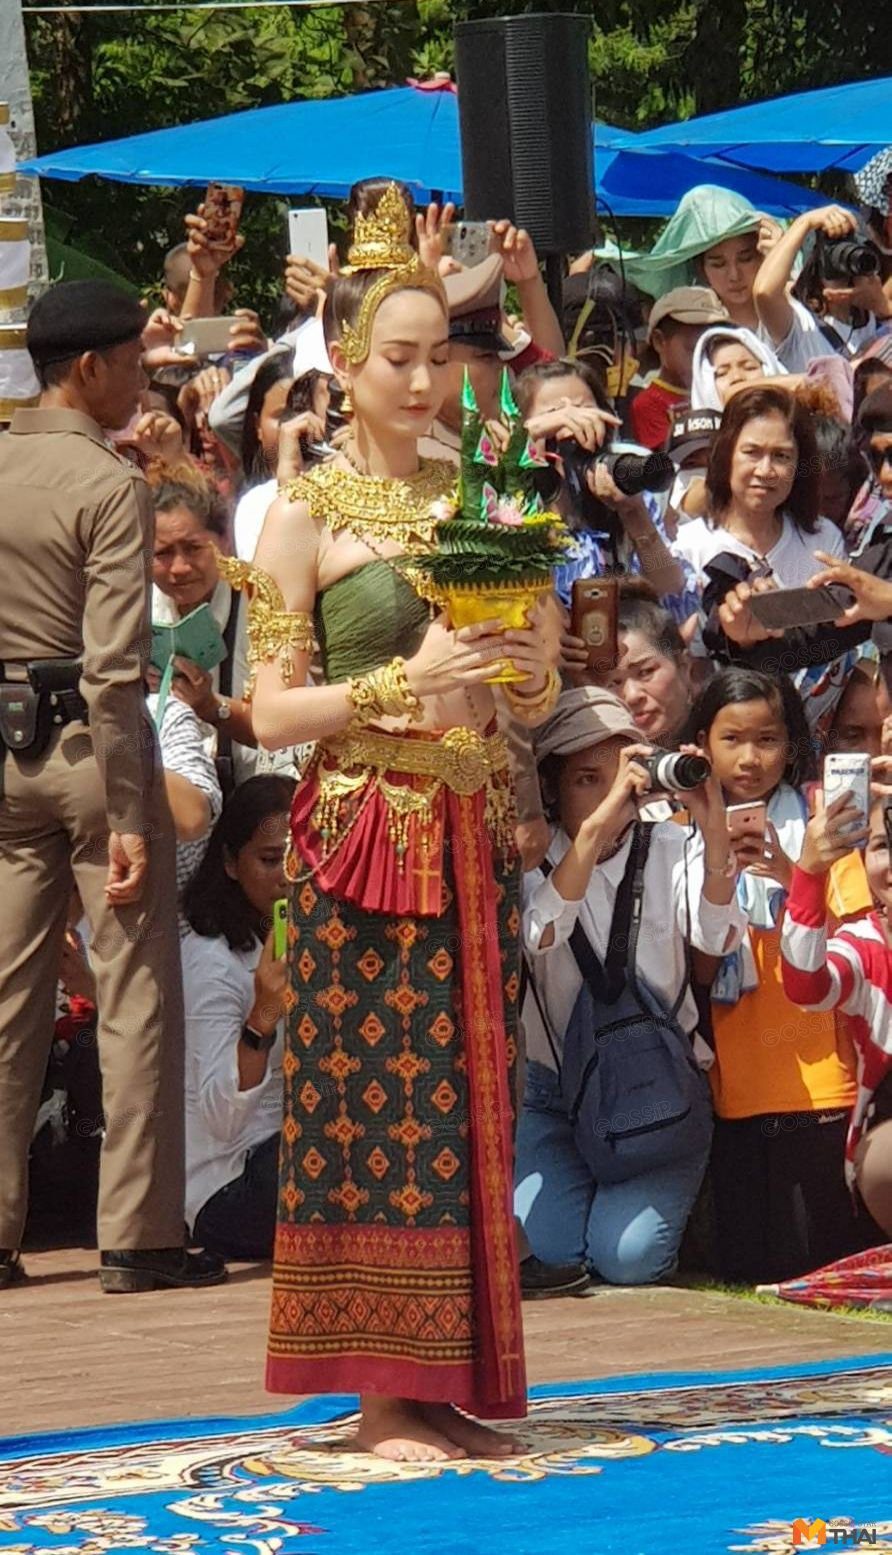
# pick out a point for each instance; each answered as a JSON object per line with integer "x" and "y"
{"x": 405, "y": 511}
{"x": 381, "y": 242}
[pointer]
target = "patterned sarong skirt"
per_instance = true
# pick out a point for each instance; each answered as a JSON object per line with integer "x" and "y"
{"x": 395, "y": 1267}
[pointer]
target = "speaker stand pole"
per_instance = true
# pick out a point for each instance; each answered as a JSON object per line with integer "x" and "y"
{"x": 554, "y": 280}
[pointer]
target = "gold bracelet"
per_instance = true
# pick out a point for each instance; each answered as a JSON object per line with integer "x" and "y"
{"x": 540, "y": 702}
{"x": 384, "y": 693}
{"x": 273, "y": 631}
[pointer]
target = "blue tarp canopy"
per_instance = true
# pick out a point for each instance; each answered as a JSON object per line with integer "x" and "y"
{"x": 810, "y": 132}
{"x": 321, "y": 147}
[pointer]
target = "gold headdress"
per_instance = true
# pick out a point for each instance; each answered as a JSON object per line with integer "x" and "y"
{"x": 381, "y": 242}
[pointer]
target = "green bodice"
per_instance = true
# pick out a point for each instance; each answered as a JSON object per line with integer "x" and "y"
{"x": 366, "y": 619}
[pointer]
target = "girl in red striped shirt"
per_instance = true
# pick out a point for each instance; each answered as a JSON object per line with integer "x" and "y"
{"x": 851, "y": 972}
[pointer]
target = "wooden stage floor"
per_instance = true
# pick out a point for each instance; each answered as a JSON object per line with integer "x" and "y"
{"x": 74, "y": 1357}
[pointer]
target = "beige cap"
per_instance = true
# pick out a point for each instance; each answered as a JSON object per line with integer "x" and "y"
{"x": 584, "y": 716}
{"x": 687, "y": 305}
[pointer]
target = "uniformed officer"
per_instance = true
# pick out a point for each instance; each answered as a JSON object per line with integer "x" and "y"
{"x": 83, "y": 795}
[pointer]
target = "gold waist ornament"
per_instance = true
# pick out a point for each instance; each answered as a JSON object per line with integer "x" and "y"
{"x": 461, "y": 760}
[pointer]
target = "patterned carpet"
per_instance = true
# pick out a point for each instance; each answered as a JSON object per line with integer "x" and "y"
{"x": 637, "y": 1466}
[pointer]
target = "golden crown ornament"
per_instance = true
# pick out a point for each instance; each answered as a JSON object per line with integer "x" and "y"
{"x": 381, "y": 242}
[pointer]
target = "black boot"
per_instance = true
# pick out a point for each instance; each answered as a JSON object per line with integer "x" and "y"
{"x": 11, "y": 1269}
{"x": 539, "y": 1280}
{"x": 159, "y": 1268}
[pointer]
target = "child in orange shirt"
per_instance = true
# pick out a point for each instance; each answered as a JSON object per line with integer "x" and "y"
{"x": 783, "y": 1080}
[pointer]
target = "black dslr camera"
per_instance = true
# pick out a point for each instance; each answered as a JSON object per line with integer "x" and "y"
{"x": 844, "y": 260}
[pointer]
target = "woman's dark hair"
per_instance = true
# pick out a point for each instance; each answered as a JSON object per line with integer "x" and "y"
{"x": 199, "y": 498}
{"x": 214, "y": 903}
{"x": 802, "y": 503}
{"x": 839, "y": 454}
{"x": 736, "y": 684}
{"x": 269, "y": 373}
{"x": 873, "y": 367}
{"x": 875, "y": 414}
{"x": 654, "y": 623}
{"x": 365, "y": 194}
{"x": 612, "y": 312}
{"x": 546, "y": 372}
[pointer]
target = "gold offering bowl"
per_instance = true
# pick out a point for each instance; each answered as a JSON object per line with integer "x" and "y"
{"x": 512, "y": 604}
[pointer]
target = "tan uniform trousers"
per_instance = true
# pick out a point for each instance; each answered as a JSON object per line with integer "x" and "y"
{"x": 53, "y": 826}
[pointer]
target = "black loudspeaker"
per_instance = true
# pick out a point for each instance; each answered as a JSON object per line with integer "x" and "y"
{"x": 525, "y": 106}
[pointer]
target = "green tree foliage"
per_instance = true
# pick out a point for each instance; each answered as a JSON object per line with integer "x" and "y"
{"x": 108, "y": 75}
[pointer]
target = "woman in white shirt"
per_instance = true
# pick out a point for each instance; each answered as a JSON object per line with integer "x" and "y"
{"x": 235, "y": 993}
{"x": 762, "y": 489}
{"x": 276, "y": 398}
{"x": 628, "y": 1232}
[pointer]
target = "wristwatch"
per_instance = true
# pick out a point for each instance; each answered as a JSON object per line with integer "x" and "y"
{"x": 257, "y": 1041}
{"x": 224, "y": 710}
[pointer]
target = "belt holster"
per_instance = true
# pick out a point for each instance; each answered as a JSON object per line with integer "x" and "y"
{"x": 31, "y": 709}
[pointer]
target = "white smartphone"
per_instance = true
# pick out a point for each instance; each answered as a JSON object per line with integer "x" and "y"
{"x": 747, "y": 822}
{"x": 205, "y": 337}
{"x": 308, "y": 235}
{"x": 849, "y": 773}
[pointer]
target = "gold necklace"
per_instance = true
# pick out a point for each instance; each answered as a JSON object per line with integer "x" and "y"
{"x": 400, "y": 510}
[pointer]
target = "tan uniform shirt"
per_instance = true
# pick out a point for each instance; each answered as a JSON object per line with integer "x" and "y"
{"x": 75, "y": 563}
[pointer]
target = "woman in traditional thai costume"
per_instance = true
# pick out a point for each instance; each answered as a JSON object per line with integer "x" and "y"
{"x": 395, "y": 1272}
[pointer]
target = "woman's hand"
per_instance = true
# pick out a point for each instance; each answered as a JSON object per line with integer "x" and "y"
{"x": 873, "y": 596}
{"x": 827, "y": 835}
{"x": 620, "y": 807}
{"x": 585, "y": 424}
{"x": 881, "y": 771}
{"x": 206, "y": 258}
{"x": 270, "y": 990}
{"x": 159, "y": 339}
{"x": 448, "y": 660}
{"x": 306, "y": 281}
{"x": 197, "y": 396}
{"x": 247, "y": 336}
{"x": 194, "y": 686}
{"x": 532, "y": 839}
{"x": 736, "y": 618}
{"x": 706, "y": 807}
{"x": 430, "y": 229}
{"x": 517, "y": 251}
{"x": 695, "y": 502}
{"x": 766, "y": 859}
{"x": 159, "y": 436}
{"x": 574, "y": 659}
{"x": 306, "y": 425}
{"x": 769, "y": 233}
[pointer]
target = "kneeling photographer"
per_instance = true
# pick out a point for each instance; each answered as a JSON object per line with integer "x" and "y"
{"x": 616, "y": 1123}
{"x": 838, "y": 301}
{"x": 603, "y": 488}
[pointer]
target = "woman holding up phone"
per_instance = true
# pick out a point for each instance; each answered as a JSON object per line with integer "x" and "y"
{"x": 783, "y": 1080}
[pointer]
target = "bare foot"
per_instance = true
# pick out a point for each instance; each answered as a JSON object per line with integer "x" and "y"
{"x": 478, "y": 1441}
{"x": 396, "y": 1428}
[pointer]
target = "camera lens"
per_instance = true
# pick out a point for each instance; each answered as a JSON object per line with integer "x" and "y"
{"x": 635, "y": 473}
{"x": 674, "y": 770}
{"x": 849, "y": 259}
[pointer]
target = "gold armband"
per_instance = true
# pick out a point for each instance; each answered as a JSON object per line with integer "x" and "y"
{"x": 273, "y": 631}
{"x": 385, "y": 693}
{"x": 539, "y": 703}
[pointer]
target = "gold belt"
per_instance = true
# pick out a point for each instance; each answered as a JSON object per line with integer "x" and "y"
{"x": 461, "y": 758}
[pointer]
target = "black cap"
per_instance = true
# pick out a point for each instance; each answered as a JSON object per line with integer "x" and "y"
{"x": 77, "y": 316}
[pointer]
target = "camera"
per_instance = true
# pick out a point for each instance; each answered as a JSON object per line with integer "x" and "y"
{"x": 633, "y": 473}
{"x": 846, "y": 259}
{"x": 674, "y": 770}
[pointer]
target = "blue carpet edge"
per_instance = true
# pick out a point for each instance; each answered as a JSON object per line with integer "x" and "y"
{"x": 325, "y": 1407}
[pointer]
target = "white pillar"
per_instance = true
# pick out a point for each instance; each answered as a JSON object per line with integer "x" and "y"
{"x": 15, "y": 89}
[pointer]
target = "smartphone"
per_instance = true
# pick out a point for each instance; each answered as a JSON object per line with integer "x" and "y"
{"x": 308, "y": 235}
{"x": 747, "y": 822}
{"x": 847, "y": 772}
{"x": 468, "y": 242}
{"x": 799, "y": 607}
{"x": 222, "y": 213}
{"x": 205, "y": 337}
{"x": 593, "y": 618}
{"x": 280, "y": 927}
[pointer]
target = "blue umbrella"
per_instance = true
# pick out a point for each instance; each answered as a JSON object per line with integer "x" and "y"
{"x": 321, "y": 147}
{"x": 809, "y": 132}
